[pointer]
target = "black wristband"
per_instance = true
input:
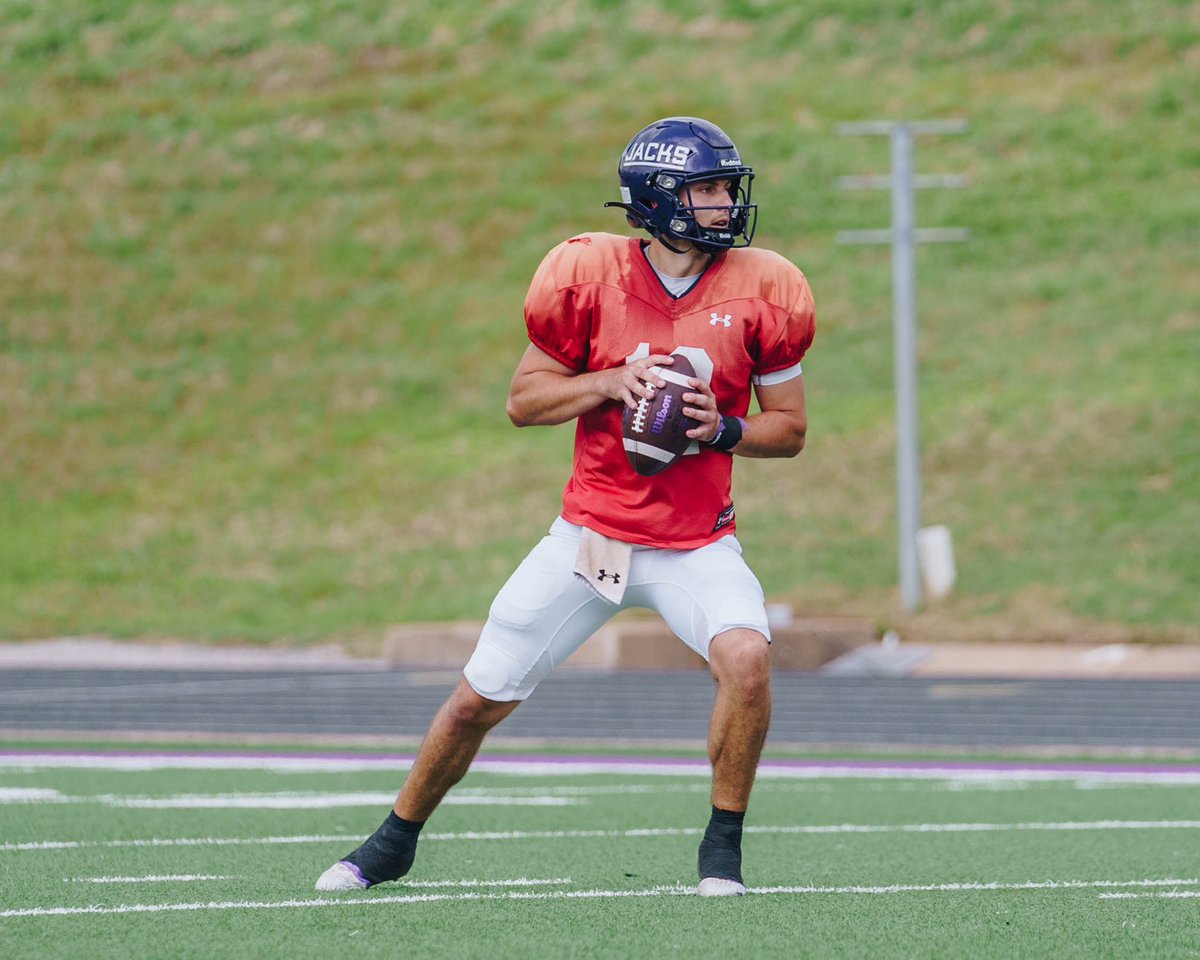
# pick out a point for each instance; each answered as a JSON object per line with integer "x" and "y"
{"x": 729, "y": 434}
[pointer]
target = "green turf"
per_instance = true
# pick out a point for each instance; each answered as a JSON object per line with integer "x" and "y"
{"x": 1038, "y": 921}
{"x": 261, "y": 274}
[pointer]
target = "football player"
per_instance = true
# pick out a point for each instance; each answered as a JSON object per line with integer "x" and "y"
{"x": 605, "y": 314}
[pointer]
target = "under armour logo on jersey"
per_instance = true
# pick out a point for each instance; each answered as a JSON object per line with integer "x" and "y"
{"x": 614, "y": 577}
{"x": 727, "y": 319}
{"x": 724, "y": 518}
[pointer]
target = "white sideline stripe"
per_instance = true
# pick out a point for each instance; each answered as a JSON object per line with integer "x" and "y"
{"x": 774, "y": 771}
{"x": 568, "y": 895}
{"x": 153, "y": 878}
{"x": 991, "y": 885}
{"x": 833, "y": 828}
{"x": 189, "y": 877}
{"x": 288, "y": 800}
{"x": 327, "y": 902}
{"x": 700, "y": 768}
{"x": 433, "y": 883}
{"x": 562, "y": 790}
{"x": 828, "y": 828}
{"x": 540, "y": 796}
{"x": 28, "y": 795}
{"x": 519, "y": 882}
{"x": 139, "y": 763}
{"x": 1164, "y": 895}
{"x": 267, "y": 801}
{"x": 983, "y": 827}
{"x": 174, "y": 842}
{"x": 546, "y": 796}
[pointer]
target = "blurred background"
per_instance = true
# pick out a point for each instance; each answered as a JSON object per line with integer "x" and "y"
{"x": 262, "y": 269}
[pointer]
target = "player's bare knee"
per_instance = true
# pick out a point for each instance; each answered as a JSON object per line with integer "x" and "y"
{"x": 466, "y": 710}
{"x": 740, "y": 661}
{"x": 740, "y": 649}
{"x": 752, "y": 685}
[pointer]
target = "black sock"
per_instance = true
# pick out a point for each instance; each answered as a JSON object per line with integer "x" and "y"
{"x": 721, "y": 848}
{"x": 388, "y": 853}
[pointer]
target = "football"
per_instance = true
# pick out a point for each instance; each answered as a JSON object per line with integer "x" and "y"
{"x": 655, "y": 431}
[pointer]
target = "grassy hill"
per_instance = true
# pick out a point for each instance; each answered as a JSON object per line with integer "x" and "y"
{"x": 261, "y": 274}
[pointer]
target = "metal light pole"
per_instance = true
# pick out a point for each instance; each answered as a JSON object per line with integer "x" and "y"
{"x": 904, "y": 236}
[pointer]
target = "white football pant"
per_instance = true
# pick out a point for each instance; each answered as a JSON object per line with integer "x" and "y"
{"x": 545, "y": 612}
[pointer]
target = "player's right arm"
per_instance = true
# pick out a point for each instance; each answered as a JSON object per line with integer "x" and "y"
{"x": 545, "y": 392}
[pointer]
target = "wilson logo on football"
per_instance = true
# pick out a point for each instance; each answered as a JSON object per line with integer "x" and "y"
{"x": 660, "y": 418}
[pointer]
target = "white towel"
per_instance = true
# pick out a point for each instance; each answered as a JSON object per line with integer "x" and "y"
{"x": 603, "y": 564}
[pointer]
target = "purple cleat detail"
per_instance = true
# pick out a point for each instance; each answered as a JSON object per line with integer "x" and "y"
{"x": 343, "y": 875}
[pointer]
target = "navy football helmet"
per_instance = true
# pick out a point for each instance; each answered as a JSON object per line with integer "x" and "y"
{"x": 667, "y": 156}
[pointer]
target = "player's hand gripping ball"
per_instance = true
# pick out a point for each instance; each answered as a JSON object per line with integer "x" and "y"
{"x": 655, "y": 431}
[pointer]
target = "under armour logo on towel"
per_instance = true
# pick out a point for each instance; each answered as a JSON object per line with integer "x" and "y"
{"x": 596, "y": 557}
{"x": 727, "y": 319}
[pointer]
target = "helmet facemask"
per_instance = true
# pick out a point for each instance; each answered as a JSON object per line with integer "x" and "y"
{"x": 683, "y": 225}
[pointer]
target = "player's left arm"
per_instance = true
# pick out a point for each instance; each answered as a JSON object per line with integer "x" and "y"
{"x": 777, "y": 431}
{"x": 784, "y": 337}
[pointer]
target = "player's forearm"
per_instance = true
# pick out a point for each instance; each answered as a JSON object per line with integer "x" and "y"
{"x": 772, "y": 433}
{"x": 545, "y": 398}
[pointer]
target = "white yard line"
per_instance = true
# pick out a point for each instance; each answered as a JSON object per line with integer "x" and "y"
{"x": 285, "y": 800}
{"x": 539, "y": 796}
{"x": 600, "y": 765}
{"x": 1163, "y": 895}
{"x": 597, "y": 790}
{"x": 519, "y": 882}
{"x": 367, "y": 900}
{"x": 310, "y": 801}
{"x": 550, "y": 795}
{"x": 153, "y": 878}
{"x": 191, "y": 877}
{"x": 176, "y": 842}
{"x": 983, "y": 827}
{"x": 30, "y": 795}
{"x": 135, "y": 762}
{"x": 991, "y": 885}
{"x": 814, "y": 829}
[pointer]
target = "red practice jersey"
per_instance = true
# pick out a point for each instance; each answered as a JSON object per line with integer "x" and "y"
{"x": 595, "y": 302}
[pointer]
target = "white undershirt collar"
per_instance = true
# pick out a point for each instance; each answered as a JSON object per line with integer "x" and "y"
{"x": 675, "y": 286}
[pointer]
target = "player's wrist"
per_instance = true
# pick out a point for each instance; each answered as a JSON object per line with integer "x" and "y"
{"x": 728, "y": 435}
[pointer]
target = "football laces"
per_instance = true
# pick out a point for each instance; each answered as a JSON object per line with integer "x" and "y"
{"x": 639, "y": 415}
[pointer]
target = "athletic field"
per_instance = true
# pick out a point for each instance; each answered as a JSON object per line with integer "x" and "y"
{"x": 142, "y": 852}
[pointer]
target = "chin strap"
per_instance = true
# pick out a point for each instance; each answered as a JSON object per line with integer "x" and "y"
{"x": 659, "y": 235}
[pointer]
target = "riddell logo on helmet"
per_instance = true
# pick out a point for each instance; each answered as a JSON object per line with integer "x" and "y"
{"x": 663, "y": 154}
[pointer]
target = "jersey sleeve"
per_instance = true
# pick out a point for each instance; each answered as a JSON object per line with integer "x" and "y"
{"x": 553, "y": 327}
{"x": 787, "y": 332}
